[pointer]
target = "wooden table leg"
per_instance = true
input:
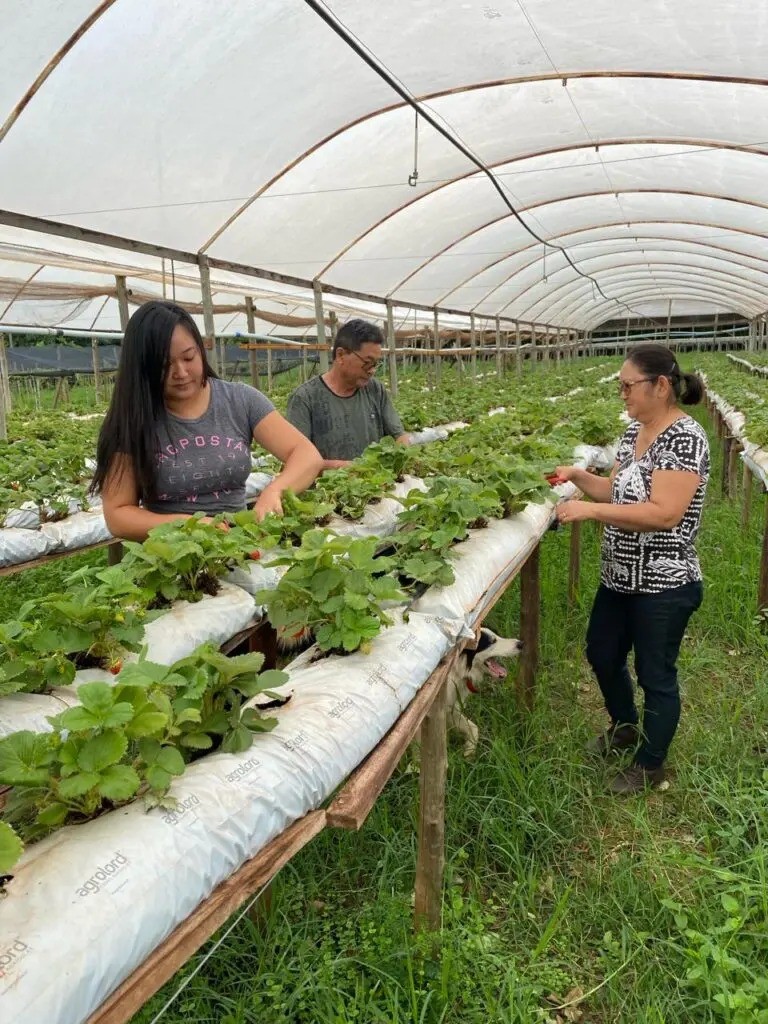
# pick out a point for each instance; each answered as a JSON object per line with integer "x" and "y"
{"x": 530, "y": 598}
{"x": 430, "y": 864}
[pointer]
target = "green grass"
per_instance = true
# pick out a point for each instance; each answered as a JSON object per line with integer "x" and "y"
{"x": 655, "y": 909}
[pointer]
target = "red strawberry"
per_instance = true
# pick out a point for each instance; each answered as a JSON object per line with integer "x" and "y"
{"x": 255, "y": 555}
{"x": 115, "y": 667}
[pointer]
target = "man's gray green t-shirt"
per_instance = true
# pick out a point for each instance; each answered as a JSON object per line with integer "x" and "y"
{"x": 202, "y": 464}
{"x": 342, "y": 428}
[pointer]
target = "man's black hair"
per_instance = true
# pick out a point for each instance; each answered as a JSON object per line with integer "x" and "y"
{"x": 355, "y": 333}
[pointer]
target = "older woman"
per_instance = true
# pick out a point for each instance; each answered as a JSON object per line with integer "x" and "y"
{"x": 650, "y": 581}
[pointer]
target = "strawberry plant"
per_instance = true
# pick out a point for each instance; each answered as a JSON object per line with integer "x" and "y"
{"x": 387, "y": 454}
{"x": 352, "y": 489}
{"x": 183, "y": 560}
{"x": 299, "y": 515}
{"x": 11, "y": 848}
{"x": 129, "y": 740}
{"x": 336, "y": 587}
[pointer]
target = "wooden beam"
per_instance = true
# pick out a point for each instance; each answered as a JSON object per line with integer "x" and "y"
{"x": 762, "y": 587}
{"x": 473, "y": 346}
{"x": 430, "y": 861}
{"x": 4, "y": 391}
{"x": 499, "y": 367}
{"x": 185, "y": 940}
{"x": 361, "y": 790}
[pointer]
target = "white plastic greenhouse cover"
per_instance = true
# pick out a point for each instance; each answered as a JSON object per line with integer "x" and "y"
{"x": 633, "y": 135}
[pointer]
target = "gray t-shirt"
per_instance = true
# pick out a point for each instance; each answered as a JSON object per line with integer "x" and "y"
{"x": 202, "y": 464}
{"x": 342, "y": 428}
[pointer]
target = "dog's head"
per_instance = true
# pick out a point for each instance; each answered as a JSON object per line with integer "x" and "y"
{"x": 482, "y": 663}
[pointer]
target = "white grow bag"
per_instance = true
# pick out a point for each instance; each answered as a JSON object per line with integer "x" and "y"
{"x": 169, "y": 637}
{"x": 89, "y": 904}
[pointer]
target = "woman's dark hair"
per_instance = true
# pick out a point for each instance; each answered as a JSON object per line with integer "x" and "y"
{"x": 656, "y": 361}
{"x": 138, "y": 405}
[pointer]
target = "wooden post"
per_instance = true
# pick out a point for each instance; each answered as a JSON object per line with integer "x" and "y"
{"x": 122, "y": 301}
{"x": 391, "y": 354}
{"x": 96, "y": 359}
{"x": 430, "y": 863}
{"x": 518, "y": 350}
{"x": 746, "y": 488}
{"x": 437, "y": 366}
{"x": 546, "y": 345}
{"x": 762, "y": 590}
{"x": 728, "y": 443}
{"x": 5, "y": 377}
{"x": 115, "y": 553}
{"x": 733, "y": 458}
{"x": 530, "y": 598}
{"x": 209, "y": 338}
{"x": 253, "y": 355}
{"x": 3, "y": 398}
{"x": 715, "y": 339}
{"x": 574, "y": 562}
{"x": 498, "y": 348}
{"x": 473, "y": 345}
{"x": 320, "y": 324}
{"x": 669, "y": 320}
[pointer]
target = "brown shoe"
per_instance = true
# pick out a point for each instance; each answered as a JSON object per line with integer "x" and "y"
{"x": 618, "y": 737}
{"x": 636, "y": 779}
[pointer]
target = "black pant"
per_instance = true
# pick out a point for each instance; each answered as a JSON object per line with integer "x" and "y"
{"x": 652, "y": 624}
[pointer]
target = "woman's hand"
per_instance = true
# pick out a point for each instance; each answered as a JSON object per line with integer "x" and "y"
{"x": 574, "y": 511}
{"x": 210, "y": 521}
{"x": 565, "y": 473}
{"x": 335, "y": 464}
{"x": 268, "y": 502}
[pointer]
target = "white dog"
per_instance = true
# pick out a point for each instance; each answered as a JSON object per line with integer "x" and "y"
{"x": 470, "y": 671}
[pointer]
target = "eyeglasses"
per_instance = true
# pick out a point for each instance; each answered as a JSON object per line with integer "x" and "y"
{"x": 368, "y": 364}
{"x": 625, "y": 386}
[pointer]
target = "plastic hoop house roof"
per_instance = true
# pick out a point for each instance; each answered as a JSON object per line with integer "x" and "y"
{"x": 634, "y": 136}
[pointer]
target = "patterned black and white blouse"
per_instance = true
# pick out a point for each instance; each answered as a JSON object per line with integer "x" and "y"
{"x": 648, "y": 563}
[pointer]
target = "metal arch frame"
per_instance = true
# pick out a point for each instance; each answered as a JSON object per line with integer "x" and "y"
{"x": 577, "y": 297}
{"x": 624, "y": 273}
{"x": 51, "y": 66}
{"x": 556, "y": 256}
{"x": 427, "y": 97}
{"x": 566, "y": 199}
{"x": 696, "y": 144}
{"x": 642, "y": 296}
{"x": 642, "y": 260}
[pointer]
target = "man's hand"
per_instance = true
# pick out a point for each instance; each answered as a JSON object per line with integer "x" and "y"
{"x": 268, "y": 502}
{"x": 335, "y": 464}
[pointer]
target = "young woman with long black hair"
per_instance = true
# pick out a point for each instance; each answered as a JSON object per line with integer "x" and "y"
{"x": 177, "y": 440}
{"x": 650, "y": 580}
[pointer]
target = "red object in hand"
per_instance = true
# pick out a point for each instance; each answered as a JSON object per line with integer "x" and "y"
{"x": 255, "y": 555}
{"x": 553, "y": 479}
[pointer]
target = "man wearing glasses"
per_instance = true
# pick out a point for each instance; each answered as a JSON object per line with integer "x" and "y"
{"x": 347, "y": 408}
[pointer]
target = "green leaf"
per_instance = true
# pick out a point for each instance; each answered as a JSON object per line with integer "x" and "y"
{"x": 171, "y": 761}
{"x": 77, "y": 720}
{"x": 53, "y": 815}
{"x": 105, "y": 749}
{"x": 237, "y": 740}
{"x": 730, "y": 905}
{"x": 119, "y": 783}
{"x": 146, "y": 723}
{"x": 24, "y": 759}
{"x": 97, "y": 698}
{"x": 11, "y": 848}
{"x": 253, "y": 721}
{"x": 158, "y": 778}
{"x": 196, "y": 740}
{"x": 78, "y": 785}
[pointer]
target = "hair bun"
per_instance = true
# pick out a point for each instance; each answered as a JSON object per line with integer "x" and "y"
{"x": 693, "y": 389}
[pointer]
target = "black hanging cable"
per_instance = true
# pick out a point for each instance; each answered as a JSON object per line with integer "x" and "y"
{"x": 362, "y": 52}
